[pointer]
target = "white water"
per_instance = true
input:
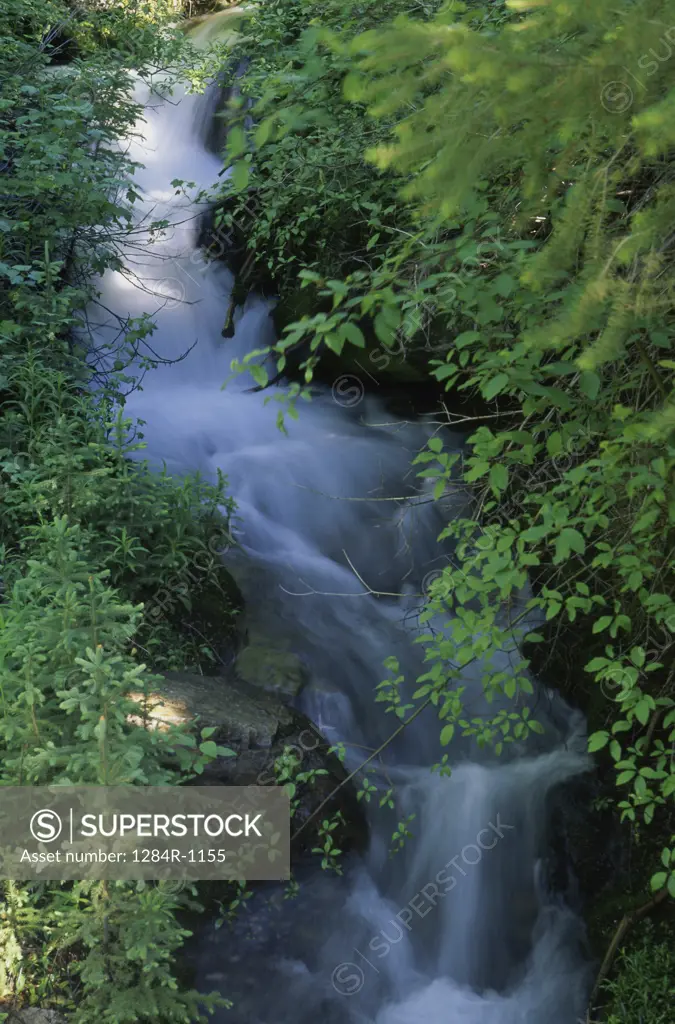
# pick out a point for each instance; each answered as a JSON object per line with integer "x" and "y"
{"x": 497, "y": 948}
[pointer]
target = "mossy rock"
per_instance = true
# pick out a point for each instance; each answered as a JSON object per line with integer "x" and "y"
{"x": 273, "y": 668}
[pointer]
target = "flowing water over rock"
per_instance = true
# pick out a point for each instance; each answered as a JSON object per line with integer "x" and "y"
{"x": 460, "y": 927}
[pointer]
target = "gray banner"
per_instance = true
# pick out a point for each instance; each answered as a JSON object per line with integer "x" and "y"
{"x": 60, "y": 833}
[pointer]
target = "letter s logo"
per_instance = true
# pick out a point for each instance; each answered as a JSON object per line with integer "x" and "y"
{"x": 45, "y": 826}
{"x": 347, "y": 979}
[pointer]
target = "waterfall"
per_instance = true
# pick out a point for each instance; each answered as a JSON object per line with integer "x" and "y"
{"x": 459, "y": 927}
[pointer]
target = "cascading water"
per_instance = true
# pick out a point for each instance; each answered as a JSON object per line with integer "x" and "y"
{"x": 460, "y": 925}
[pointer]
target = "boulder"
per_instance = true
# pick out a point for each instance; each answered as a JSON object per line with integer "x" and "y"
{"x": 260, "y": 728}
{"x": 243, "y": 717}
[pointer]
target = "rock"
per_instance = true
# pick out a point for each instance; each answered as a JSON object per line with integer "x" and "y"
{"x": 591, "y": 860}
{"x": 272, "y": 668}
{"x": 34, "y": 1016}
{"x": 261, "y": 728}
{"x": 243, "y": 716}
{"x": 595, "y": 860}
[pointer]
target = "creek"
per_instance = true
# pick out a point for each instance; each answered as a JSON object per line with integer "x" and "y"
{"x": 336, "y": 540}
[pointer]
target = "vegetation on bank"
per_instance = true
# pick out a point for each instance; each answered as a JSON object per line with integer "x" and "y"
{"x": 495, "y": 183}
{"x": 90, "y": 539}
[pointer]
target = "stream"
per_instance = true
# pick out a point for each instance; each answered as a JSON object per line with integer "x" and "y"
{"x": 462, "y": 926}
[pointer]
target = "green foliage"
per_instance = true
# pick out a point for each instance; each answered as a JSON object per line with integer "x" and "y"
{"x": 66, "y": 673}
{"x": 151, "y": 533}
{"x": 128, "y": 976}
{"x": 300, "y": 187}
{"x": 88, "y": 535}
{"x": 297, "y": 784}
{"x": 529, "y": 239}
{"x": 643, "y": 990}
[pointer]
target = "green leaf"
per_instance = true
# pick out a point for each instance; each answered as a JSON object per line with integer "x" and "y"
{"x": 668, "y": 787}
{"x": 240, "y": 175}
{"x": 504, "y": 284}
{"x": 466, "y": 338}
{"x": 476, "y": 471}
{"x": 351, "y": 333}
{"x": 386, "y": 324}
{"x": 589, "y": 383}
{"x": 447, "y": 732}
{"x": 569, "y": 540}
{"x": 494, "y": 386}
{"x": 637, "y": 656}
{"x": 575, "y": 540}
{"x": 259, "y": 374}
{"x": 209, "y": 748}
{"x": 599, "y": 625}
{"x": 334, "y": 342}
{"x": 262, "y": 132}
{"x": 642, "y": 711}
{"x": 236, "y": 141}
{"x": 499, "y": 477}
{"x": 443, "y": 372}
{"x": 554, "y": 444}
{"x": 597, "y": 741}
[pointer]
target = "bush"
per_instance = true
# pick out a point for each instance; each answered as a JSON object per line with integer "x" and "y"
{"x": 86, "y": 533}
